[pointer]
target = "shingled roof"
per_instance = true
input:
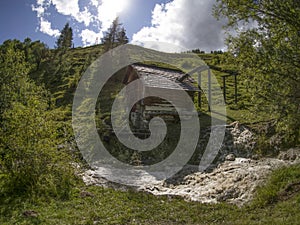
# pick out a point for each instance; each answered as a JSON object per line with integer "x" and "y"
{"x": 153, "y": 76}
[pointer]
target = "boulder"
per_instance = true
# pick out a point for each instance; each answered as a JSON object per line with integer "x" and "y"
{"x": 290, "y": 155}
{"x": 230, "y": 157}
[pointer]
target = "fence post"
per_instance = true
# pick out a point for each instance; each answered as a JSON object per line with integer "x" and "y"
{"x": 235, "y": 89}
{"x": 199, "y": 93}
{"x": 209, "y": 90}
{"x": 224, "y": 88}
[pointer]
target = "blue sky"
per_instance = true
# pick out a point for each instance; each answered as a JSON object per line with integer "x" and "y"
{"x": 187, "y": 23}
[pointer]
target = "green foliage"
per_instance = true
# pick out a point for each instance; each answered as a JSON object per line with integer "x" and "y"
{"x": 65, "y": 39}
{"x": 267, "y": 55}
{"x": 61, "y": 71}
{"x": 13, "y": 74}
{"x": 35, "y": 52}
{"x": 29, "y": 132}
{"x": 32, "y": 162}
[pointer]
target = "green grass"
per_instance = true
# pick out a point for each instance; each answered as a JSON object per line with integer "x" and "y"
{"x": 60, "y": 73}
{"x": 283, "y": 183}
{"x": 109, "y": 206}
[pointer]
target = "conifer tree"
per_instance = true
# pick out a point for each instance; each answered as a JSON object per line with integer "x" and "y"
{"x": 115, "y": 36}
{"x": 66, "y": 37}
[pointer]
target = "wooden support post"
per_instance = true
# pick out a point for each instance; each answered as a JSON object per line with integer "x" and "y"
{"x": 224, "y": 88}
{"x": 199, "y": 93}
{"x": 235, "y": 89}
{"x": 209, "y": 91}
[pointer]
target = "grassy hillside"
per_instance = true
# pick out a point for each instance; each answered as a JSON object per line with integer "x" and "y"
{"x": 278, "y": 202}
{"x": 61, "y": 71}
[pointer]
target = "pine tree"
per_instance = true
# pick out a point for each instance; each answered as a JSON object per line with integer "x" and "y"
{"x": 115, "y": 36}
{"x": 66, "y": 37}
{"x": 122, "y": 38}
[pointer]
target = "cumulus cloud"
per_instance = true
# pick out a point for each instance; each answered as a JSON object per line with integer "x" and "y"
{"x": 95, "y": 22}
{"x": 45, "y": 27}
{"x": 71, "y": 8}
{"x": 95, "y": 3}
{"x": 39, "y": 10}
{"x": 109, "y": 10}
{"x": 40, "y": 7}
{"x": 189, "y": 24}
{"x": 90, "y": 37}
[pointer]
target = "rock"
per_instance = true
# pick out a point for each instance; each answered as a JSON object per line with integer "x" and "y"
{"x": 255, "y": 157}
{"x": 238, "y": 140}
{"x": 276, "y": 141}
{"x": 235, "y": 124}
{"x": 85, "y": 194}
{"x": 291, "y": 154}
{"x": 230, "y": 157}
{"x": 283, "y": 156}
{"x": 229, "y": 194}
{"x": 60, "y": 147}
{"x": 232, "y": 181}
{"x": 30, "y": 213}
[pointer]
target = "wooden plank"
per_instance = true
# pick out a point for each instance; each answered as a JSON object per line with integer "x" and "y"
{"x": 199, "y": 93}
{"x": 209, "y": 90}
{"x": 224, "y": 88}
{"x": 235, "y": 89}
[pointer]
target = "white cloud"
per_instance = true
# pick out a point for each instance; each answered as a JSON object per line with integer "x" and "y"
{"x": 66, "y": 7}
{"x": 71, "y": 8}
{"x": 40, "y": 10}
{"x": 45, "y": 27}
{"x": 163, "y": 46}
{"x": 40, "y": 2}
{"x": 95, "y": 3}
{"x": 41, "y": 7}
{"x": 90, "y": 37}
{"x": 189, "y": 24}
{"x": 85, "y": 16}
{"x": 109, "y": 10}
{"x": 101, "y": 18}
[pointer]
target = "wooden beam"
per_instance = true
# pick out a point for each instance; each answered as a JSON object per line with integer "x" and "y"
{"x": 209, "y": 90}
{"x": 224, "y": 88}
{"x": 235, "y": 89}
{"x": 199, "y": 93}
{"x": 197, "y": 69}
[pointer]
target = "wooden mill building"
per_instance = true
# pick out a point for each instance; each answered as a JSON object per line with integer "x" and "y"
{"x": 154, "y": 77}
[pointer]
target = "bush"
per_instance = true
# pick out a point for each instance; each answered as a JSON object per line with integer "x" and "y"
{"x": 30, "y": 161}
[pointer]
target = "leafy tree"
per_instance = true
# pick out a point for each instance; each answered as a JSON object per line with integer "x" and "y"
{"x": 29, "y": 131}
{"x": 266, "y": 49}
{"x": 115, "y": 36}
{"x": 13, "y": 74}
{"x": 66, "y": 37}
